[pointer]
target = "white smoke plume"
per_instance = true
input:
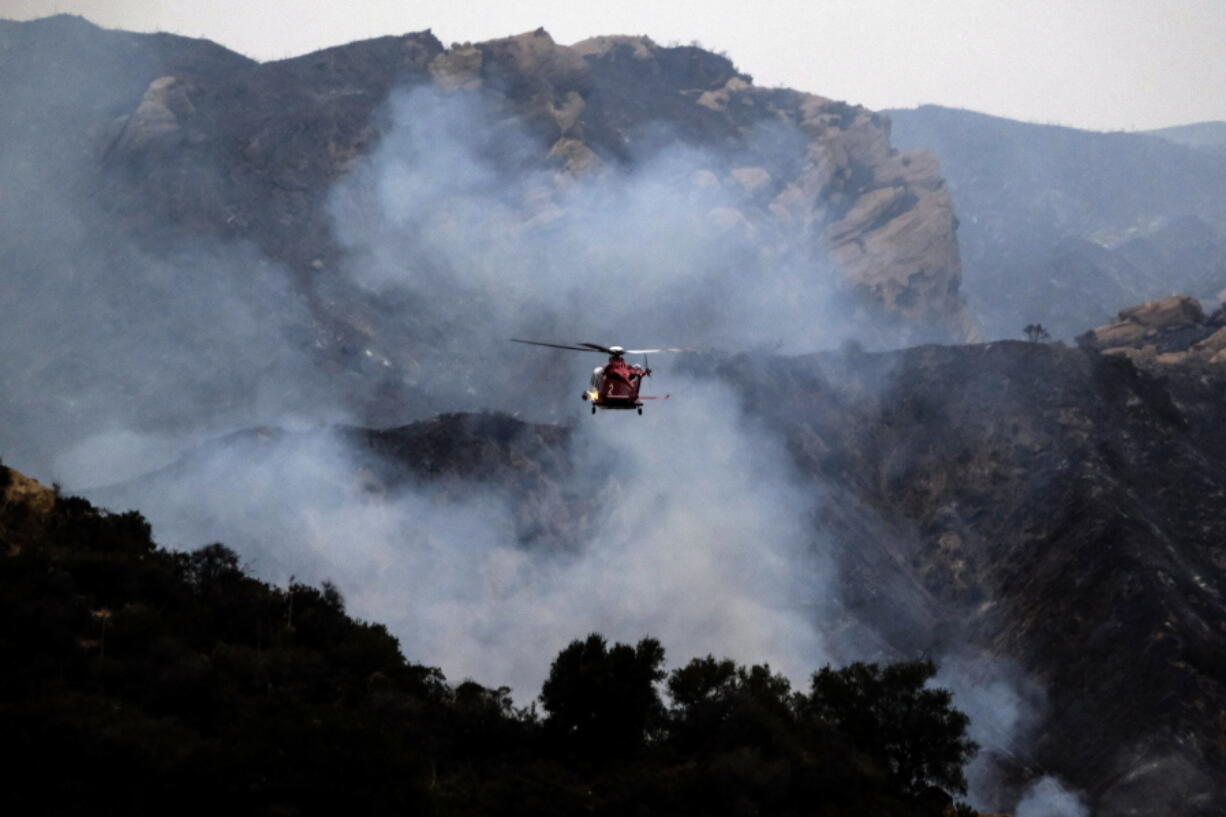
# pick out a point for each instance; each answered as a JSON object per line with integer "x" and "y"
{"x": 1047, "y": 797}
{"x": 700, "y": 540}
{"x": 449, "y": 216}
{"x": 1004, "y": 705}
{"x": 121, "y": 348}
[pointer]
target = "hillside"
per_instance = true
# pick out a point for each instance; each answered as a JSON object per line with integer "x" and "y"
{"x": 1060, "y": 509}
{"x": 1040, "y": 519}
{"x": 1066, "y": 227}
{"x": 137, "y": 674}
{"x": 269, "y": 306}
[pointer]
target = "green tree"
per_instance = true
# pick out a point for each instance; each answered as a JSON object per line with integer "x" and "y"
{"x": 890, "y": 715}
{"x": 603, "y": 701}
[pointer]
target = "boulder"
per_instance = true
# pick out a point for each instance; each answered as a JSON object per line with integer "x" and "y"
{"x": 535, "y": 54}
{"x": 717, "y": 100}
{"x": 1120, "y": 333}
{"x": 156, "y": 122}
{"x": 1167, "y": 313}
{"x": 1168, "y": 331}
{"x": 458, "y": 67}
{"x": 1213, "y": 344}
{"x": 639, "y": 47}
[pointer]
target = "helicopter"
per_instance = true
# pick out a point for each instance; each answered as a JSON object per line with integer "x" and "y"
{"x": 615, "y": 385}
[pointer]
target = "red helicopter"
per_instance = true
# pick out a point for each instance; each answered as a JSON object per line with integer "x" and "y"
{"x": 615, "y": 385}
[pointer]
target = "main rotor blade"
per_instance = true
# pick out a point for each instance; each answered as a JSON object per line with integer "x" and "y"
{"x": 596, "y": 347}
{"x": 557, "y": 346}
{"x": 653, "y": 351}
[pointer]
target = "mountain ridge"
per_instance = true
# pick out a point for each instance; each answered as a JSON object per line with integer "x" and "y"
{"x": 274, "y": 174}
{"x": 1063, "y": 226}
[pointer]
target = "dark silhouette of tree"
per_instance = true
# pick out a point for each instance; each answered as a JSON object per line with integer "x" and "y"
{"x": 145, "y": 673}
{"x": 212, "y": 567}
{"x": 889, "y": 715}
{"x": 1035, "y": 333}
{"x": 703, "y": 694}
{"x": 718, "y": 705}
{"x": 603, "y": 701}
{"x": 332, "y": 595}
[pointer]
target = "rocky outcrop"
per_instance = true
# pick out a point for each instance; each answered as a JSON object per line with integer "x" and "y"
{"x": 884, "y": 217}
{"x": 24, "y": 505}
{"x": 197, "y": 139}
{"x": 897, "y": 242}
{"x": 1167, "y": 331}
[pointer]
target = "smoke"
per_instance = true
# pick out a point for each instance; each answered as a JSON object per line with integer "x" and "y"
{"x": 1004, "y": 705}
{"x": 1048, "y": 798}
{"x": 707, "y": 542}
{"x": 124, "y": 342}
{"x": 700, "y": 538}
{"x": 121, "y": 354}
{"x": 451, "y": 216}
{"x": 126, "y": 348}
{"x": 125, "y": 359}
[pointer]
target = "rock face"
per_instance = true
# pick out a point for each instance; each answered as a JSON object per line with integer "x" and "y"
{"x": 885, "y": 217}
{"x": 198, "y": 139}
{"x": 1167, "y": 331}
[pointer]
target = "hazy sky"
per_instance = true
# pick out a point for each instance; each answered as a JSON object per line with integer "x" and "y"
{"x": 1103, "y": 64}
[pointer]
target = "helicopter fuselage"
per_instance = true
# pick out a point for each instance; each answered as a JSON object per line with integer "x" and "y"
{"x": 615, "y": 385}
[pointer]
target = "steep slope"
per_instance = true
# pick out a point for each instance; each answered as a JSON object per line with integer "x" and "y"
{"x": 1063, "y": 506}
{"x": 1009, "y": 504}
{"x": 1066, "y": 227}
